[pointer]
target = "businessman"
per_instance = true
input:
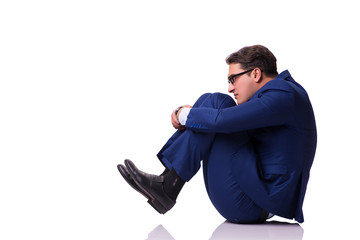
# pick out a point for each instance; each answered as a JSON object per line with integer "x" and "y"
{"x": 256, "y": 152}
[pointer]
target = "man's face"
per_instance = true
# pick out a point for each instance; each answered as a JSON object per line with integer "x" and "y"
{"x": 244, "y": 86}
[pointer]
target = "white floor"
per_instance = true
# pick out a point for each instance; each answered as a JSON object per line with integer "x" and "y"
{"x": 226, "y": 230}
{"x": 94, "y": 202}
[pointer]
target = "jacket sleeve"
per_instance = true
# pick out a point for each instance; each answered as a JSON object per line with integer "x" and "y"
{"x": 269, "y": 108}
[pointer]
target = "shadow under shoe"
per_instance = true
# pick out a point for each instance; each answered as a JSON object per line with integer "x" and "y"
{"x": 126, "y": 175}
{"x": 152, "y": 187}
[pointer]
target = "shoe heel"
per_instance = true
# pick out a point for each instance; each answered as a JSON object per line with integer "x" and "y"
{"x": 157, "y": 206}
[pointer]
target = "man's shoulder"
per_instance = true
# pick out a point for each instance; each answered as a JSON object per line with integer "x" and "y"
{"x": 282, "y": 82}
{"x": 277, "y": 84}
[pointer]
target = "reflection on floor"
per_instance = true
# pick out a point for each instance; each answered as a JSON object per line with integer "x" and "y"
{"x": 160, "y": 233}
{"x": 227, "y": 231}
{"x": 269, "y": 230}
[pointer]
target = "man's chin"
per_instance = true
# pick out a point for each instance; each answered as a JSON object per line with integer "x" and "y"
{"x": 239, "y": 102}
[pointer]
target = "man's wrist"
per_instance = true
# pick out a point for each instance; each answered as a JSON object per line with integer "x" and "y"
{"x": 183, "y": 114}
{"x": 177, "y": 110}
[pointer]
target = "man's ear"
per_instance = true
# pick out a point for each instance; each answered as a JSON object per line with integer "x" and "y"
{"x": 257, "y": 75}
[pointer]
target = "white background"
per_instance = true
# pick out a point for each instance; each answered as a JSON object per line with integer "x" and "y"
{"x": 86, "y": 84}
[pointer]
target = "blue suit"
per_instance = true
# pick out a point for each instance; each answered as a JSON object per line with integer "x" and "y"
{"x": 257, "y": 154}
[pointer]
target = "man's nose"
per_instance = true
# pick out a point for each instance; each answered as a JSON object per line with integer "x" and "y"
{"x": 231, "y": 88}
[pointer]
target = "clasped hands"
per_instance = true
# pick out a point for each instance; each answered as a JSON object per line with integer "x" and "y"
{"x": 175, "y": 118}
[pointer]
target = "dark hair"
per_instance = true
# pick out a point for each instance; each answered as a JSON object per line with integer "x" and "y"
{"x": 255, "y": 56}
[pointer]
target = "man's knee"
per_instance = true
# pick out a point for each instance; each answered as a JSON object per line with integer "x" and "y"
{"x": 215, "y": 100}
{"x": 221, "y": 100}
{"x": 199, "y": 102}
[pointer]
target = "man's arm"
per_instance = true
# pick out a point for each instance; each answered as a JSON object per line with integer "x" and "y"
{"x": 272, "y": 108}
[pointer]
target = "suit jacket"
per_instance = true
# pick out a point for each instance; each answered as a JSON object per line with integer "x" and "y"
{"x": 273, "y": 168}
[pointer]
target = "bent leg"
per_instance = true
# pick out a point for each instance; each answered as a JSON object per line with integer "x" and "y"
{"x": 185, "y": 149}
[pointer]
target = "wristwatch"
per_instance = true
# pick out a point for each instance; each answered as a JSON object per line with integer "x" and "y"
{"x": 177, "y": 110}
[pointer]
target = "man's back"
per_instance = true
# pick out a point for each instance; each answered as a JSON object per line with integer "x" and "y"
{"x": 284, "y": 152}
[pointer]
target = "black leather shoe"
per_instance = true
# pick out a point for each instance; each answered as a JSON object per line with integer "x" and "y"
{"x": 126, "y": 175}
{"x": 152, "y": 187}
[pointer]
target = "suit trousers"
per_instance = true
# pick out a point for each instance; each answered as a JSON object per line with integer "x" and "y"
{"x": 185, "y": 151}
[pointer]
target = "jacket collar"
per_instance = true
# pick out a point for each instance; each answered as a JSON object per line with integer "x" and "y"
{"x": 278, "y": 83}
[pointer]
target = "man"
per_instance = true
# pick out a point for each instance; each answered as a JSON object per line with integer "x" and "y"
{"x": 256, "y": 154}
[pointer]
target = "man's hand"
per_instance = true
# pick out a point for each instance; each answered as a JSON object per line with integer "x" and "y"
{"x": 175, "y": 118}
